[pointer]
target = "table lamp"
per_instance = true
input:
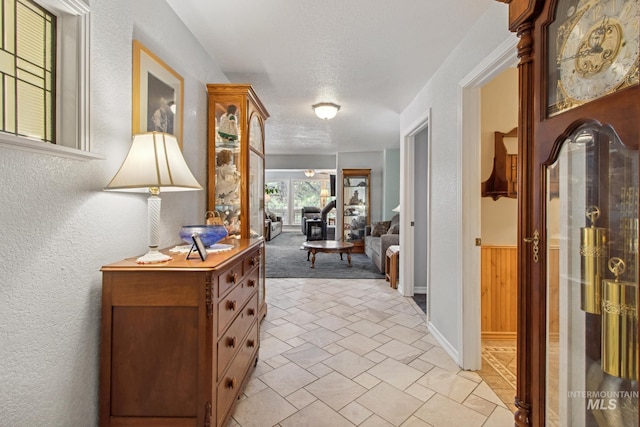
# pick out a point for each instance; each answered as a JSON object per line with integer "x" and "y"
{"x": 154, "y": 164}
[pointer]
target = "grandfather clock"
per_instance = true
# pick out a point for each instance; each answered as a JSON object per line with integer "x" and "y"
{"x": 578, "y": 212}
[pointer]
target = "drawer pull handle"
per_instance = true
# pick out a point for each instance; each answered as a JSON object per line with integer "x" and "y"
{"x": 231, "y": 342}
{"x": 231, "y": 382}
{"x": 252, "y": 283}
{"x": 233, "y": 277}
{"x": 254, "y": 261}
{"x": 251, "y": 312}
{"x": 251, "y": 343}
{"x": 232, "y": 305}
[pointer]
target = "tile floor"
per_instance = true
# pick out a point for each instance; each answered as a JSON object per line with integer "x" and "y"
{"x": 356, "y": 353}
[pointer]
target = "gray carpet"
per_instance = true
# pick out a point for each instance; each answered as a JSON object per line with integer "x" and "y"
{"x": 285, "y": 259}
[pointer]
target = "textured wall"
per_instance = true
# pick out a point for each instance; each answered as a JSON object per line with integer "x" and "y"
{"x": 441, "y": 95}
{"x": 59, "y": 227}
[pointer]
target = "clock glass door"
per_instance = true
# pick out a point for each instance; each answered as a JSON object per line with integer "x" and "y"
{"x": 592, "y": 280}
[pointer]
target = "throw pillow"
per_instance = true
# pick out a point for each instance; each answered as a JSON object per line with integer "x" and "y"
{"x": 394, "y": 229}
{"x": 273, "y": 217}
{"x": 380, "y": 228}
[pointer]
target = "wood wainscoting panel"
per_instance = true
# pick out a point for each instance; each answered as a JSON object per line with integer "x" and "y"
{"x": 499, "y": 292}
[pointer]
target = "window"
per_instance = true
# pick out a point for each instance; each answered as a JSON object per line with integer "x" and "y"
{"x": 278, "y": 202}
{"x": 44, "y": 63}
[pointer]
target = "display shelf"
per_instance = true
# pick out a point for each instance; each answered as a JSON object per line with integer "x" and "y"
{"x": 355, "y": 201}
{"x": 236, "y": 162}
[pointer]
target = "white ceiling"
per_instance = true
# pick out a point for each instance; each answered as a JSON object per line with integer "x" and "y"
{"x": 369, "y": 56}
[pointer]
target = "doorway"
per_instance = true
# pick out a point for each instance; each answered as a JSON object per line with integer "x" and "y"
{"x": 420, "y": 209}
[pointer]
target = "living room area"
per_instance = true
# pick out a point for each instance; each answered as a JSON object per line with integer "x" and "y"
{"x": 324, "y": 201}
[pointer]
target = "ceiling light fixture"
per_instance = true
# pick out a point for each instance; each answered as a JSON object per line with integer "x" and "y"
{"x": 326, "y": 110}
{"x": 309, "y": 173}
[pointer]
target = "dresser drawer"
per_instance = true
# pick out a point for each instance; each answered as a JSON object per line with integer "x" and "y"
{"x": 230, "y": 277}
{"x": 230, "y": 305}
{"x": 230, "y": 342}
{"x": 229, "y": 386}
{"x": 252, "y": 260}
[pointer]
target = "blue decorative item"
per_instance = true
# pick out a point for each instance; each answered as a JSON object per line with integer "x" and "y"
{"x": 210, "y": 234}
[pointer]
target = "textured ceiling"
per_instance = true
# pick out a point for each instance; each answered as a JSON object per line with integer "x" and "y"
{"x": 369, "y": 56}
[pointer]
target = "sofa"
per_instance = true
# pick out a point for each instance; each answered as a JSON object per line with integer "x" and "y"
{"x": 377, "y": 239}
{"x": 272, "y": 225}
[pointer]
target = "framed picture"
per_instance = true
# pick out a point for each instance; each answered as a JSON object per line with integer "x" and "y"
{"x": 198, "y": 246}
{"x": 158, "y": 95}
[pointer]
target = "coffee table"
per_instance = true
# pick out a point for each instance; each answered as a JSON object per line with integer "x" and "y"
{"x": 327, "y": 246}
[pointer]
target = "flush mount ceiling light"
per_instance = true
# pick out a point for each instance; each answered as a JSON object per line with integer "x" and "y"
{"x": 326, "y": 110}
{"x": 309, "y": 173}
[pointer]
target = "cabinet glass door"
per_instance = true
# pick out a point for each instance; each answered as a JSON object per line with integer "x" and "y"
{"x": 592, "y": 280}
{"x": 356, "y": 207}
{"x": 228, "y": 167}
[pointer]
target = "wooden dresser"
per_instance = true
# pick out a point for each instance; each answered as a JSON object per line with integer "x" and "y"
{"x": 179, "y": 339}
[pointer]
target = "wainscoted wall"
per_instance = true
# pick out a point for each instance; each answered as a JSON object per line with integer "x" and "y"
{"x": 500, "y": 287}
{"x": 499, "y": 292}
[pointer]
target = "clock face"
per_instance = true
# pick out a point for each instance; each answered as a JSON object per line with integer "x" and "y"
{"x": 597, "y": 51}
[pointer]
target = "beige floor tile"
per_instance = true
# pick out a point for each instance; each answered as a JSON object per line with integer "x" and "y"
{"x": 287, "y": 331}
{"x": 440, "y": 358}
{"x": 393, "y": 405}
{"x": 399, "y": 351}
{"x": 420, "y": 392}
{"x": 366, "y": 327}
{"x": 367, "y": 380}
{"x": 287, "y": 379}
{"x": 415, "y": 422}
{"x": 356, "y": 359}
{"x": 320, "y": 336}
{"x": 335, "y": 390}
{"x": 372, "y": 314}
{"x": 332, "y": 322}
{"x": 266, "y": 408}
{"x": 486, "y": 393}
{"x": 349, "y": 363}
{"x": 355, "y": 412}
{"x": 500, "y": 417}
{"x": 404, "y": 334}
{"x": 358, "y": 343}
{"x": 376, "y": 421}
{"x": 306, "y": 355}
{"x": 317, "y": 414}
{"x": 271, "y": 347}
{"x": 441, "y": 411}
{"x": 301, "y": 398}
{"x": 479, "y": 404}
{"x": 404, "y": 319}
{"x": 448, "y": 384}
{"x": 395, "y": 373}
{"x": 320, "y": 370}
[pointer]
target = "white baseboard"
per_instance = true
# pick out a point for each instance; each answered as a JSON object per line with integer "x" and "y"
{"x": 420, "y": 289}
{"x": 451, "y": 351}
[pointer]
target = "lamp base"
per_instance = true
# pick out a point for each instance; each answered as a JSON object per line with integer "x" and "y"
{"x": 152, "y": 257}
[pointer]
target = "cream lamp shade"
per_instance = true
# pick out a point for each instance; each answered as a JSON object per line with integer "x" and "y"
{"x": 154, "y": 164}
{"x": 396, "y": 209}
{"x": 326, "y": 110}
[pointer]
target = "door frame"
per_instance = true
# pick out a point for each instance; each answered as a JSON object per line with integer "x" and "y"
{"x": 406, "y": 284}
{"x": 469, "y": 198}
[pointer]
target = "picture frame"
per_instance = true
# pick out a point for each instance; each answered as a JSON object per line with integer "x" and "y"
{"x": 198, "y": 246}
{"x": 157, "y": 95}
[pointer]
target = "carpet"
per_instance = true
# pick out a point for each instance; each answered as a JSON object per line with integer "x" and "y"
{"x": 286, "y": 259}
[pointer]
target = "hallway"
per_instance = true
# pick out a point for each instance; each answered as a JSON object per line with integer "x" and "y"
{"x": 355, "y": 352}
